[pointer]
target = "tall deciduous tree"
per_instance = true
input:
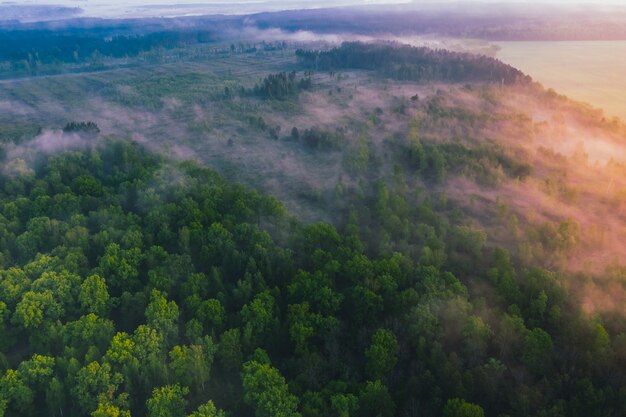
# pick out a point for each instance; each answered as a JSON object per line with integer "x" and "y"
{"x": 94, "y": 382}
{"x": 192, "y": 365}
{"x": 94, "y": 295}
{"x": 162, "y": 315}
{"x": 167, "y": 401}
{"x": 382, "y": 355}
{"x": 207, "y": 410}
{"x": 457, "y": 407}
{"x": 266, "y": 391}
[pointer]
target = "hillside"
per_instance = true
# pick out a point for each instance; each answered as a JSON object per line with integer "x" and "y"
{"x": 276, "y": 228}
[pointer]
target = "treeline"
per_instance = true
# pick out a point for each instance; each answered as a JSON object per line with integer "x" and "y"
{"x": 486, "y": 164}
{"x": 409, "y": 63}
{"x": 318, "y": 139}
{"x": 89, "y": 128}
{"x": 282, "y": 85}
{"x": 130, "y": 285}
{"x": 485, "y": 21}
{"x": 37, "y": 47}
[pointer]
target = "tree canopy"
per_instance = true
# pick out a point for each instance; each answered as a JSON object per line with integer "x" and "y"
{"x": 162, "y": 290}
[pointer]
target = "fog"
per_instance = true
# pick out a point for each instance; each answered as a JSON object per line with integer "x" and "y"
{"x": 251, "y": 33}
{"x": 20, "y": 159}
{"x": 577, "y": 154}
{"x": 163, "y": 8}
{"x": 46, "y": 10}
{"x": 439, "y": 215}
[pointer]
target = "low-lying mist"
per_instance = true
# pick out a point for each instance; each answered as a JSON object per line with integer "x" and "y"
{"x": 541, "y": 174}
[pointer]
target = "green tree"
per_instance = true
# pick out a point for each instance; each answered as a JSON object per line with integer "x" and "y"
{"x": 55, "y": 397}
{"x": 121, "y": 350}
{"x": 265, "y": 390}
{"x": 149, "y": 357}
{"x": 38, "y": 370}
{"x": 207, "y": 410}
{"x": 167, "y": 401}
{"x": 120, "y": 267}
{"x": 192, "y": 365}
{"x": 417, "y": 154}
{"x": 95, "y": 382}
{"x": 94, "y": 295}
{"x": 147, "y": 344}
{"x": 315, "y": 289}
{"x": 88, "y": 331}
{"x": 162, "y": 315}
{"x": 457, "y": 407}
{"x": 259, "y": 317}
{"x": 382, "y": 355}
{"x": 344, "y": 405}
{"x": 13, "y": 284}
{"x": 230, "y": 350}
{"x": 375, "y": 401}
{"x": 302, "y": 326}
{"x": 18, "y": 397}
{"x": 108, "y": 409}
{"x": 476, "y": 335}
{"x": 35, "y": 308}
{"x": 537, "y": 351}
{"x": 212, "y": 312}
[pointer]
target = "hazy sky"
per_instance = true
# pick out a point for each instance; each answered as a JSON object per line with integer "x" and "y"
{"x": 132, "y": 7}
{"x": 141, "y": 8}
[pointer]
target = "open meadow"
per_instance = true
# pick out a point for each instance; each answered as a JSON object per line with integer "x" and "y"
{"x": 588, "y": 71}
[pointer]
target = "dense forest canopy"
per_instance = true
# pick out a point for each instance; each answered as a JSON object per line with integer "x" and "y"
{"x": 405, "y": 62}
{"x": 132, "y": 285}
{"x": 41, "y": 46}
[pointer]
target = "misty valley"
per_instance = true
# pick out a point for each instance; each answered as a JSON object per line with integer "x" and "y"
{"x": 286, "y": 215}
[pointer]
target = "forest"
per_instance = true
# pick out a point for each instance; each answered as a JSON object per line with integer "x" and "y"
{"x": 132, "y": 285}
{"x": 493, "y": 21}
{"x": 403, "y": 62}
{"x": 281, "y": 86}
{"x": 298, "y": 229}
{"x": 39, "y": 47}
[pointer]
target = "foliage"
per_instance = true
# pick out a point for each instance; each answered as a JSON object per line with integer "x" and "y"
{"x": 459, "y": 408}
{"x": 281, "y": 86}
{"x": 81, "y": 127}
{"x": 266, "y": 391}
{"x": 404, "y": 62}
{"x": 167, "y": 291}
{"x": 75, "y": 45}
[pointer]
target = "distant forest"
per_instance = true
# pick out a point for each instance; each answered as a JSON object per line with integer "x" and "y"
{"x": 282, "y": 85}
{"x": 489, "y": 21}
{"x": 47, "y": 46}
{"x": 403, "y": 62}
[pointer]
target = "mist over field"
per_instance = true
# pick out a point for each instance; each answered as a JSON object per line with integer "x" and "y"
{"x": 585, "y": 71}
{"x": 312, "y": 209}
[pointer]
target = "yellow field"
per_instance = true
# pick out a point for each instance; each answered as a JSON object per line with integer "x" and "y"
{"x": 594, "y": 72}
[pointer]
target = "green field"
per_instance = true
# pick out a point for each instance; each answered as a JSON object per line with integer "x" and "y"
{"x": 593, "y": 72}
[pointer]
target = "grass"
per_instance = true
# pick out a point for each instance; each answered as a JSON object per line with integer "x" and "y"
{"x": 588, "y": 71}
